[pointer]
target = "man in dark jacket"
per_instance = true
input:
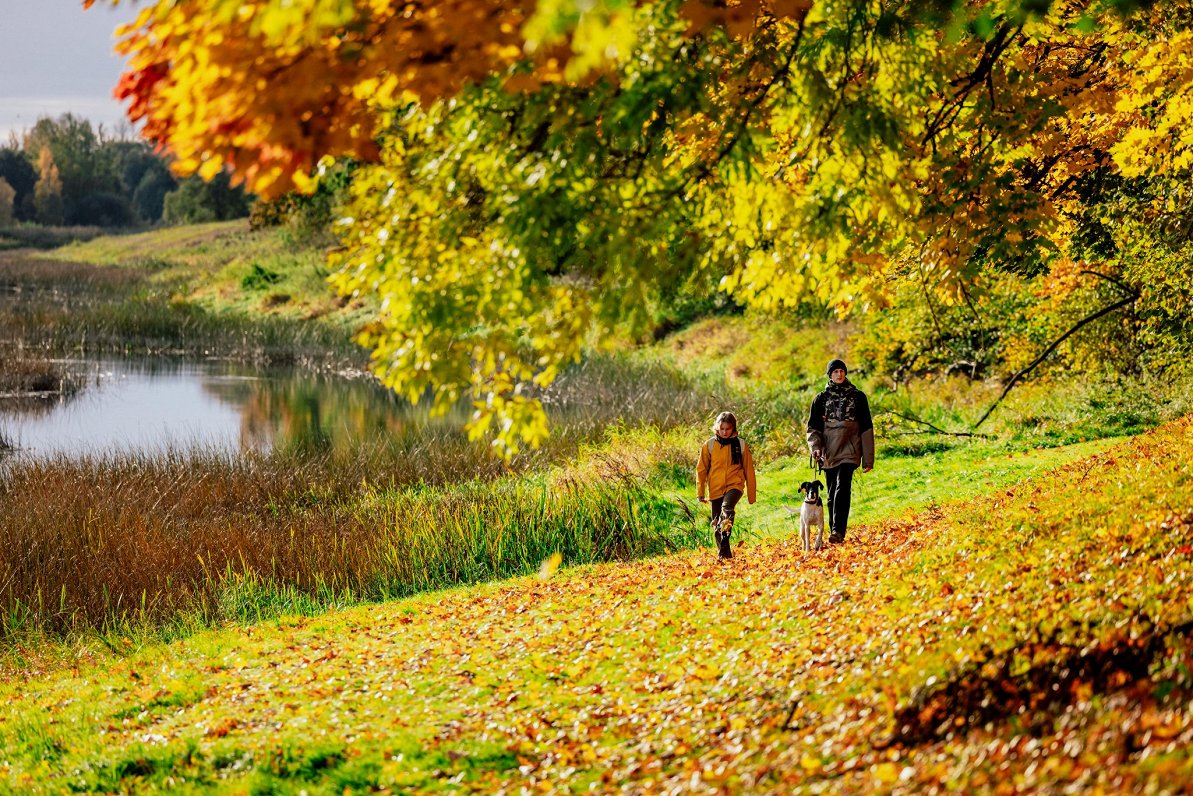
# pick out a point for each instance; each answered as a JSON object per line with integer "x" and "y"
{"x": 841, "y": 438}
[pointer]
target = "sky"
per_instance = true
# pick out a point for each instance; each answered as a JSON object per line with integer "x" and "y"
{"x": 57, "y": 58}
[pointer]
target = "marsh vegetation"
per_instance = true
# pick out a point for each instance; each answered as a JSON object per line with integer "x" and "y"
{"x": 333, "y": 490}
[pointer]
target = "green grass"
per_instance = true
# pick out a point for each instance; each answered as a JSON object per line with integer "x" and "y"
{"x": 226, "y": 268}
{"x": 915, "y": 482}
{"x": 1033, "y": 640}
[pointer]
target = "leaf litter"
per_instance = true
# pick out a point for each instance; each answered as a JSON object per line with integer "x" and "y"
{"x": 1025, "y": 641}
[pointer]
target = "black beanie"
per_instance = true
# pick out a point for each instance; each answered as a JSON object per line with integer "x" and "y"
{"x": 834, "y": 364}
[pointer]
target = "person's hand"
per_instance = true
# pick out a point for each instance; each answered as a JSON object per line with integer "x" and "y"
{"x": 702, "y": 498}
{"x": 867, "y": 469}
{"x": 818, "y": 454}
{"x": 751, "y": 501}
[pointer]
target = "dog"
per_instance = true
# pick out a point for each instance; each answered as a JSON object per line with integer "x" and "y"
{"x": 811, "y": 515}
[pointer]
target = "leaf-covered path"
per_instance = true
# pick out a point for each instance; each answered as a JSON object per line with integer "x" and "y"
{"x": 1033, "y": 639}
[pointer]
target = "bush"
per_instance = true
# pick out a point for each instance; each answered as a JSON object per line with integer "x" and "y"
{"x": 103, "y": 210}
{"x": 259, "y": 278}
{"x": 197, "y": 201}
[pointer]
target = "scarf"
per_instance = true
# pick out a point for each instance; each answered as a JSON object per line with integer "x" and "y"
{"x": 735, "y": 451}
{"x": 840, "y": 401}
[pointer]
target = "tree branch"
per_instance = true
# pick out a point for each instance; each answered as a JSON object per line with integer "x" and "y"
{"x": 742, "y": 123}
{"x": 1130, "y": 299}
{"x": 937, "y": 429}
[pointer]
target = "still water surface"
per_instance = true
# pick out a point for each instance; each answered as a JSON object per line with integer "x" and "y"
{"x": 160, "y": 405}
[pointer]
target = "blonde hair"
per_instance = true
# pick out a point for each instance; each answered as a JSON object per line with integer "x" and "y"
{"x": 725, "y": 417}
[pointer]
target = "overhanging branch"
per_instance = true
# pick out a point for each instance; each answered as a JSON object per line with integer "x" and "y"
{"x": 937, "y": 429}
{"x": 1130, "y": 299}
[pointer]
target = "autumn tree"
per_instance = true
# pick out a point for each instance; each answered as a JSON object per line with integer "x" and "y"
{"x": 87, "y": 175}
{"x": 47, "y": 194}
{"x": 7, "y": 197}
{"x": 535, "y": 172}
{"x": 17, "y": 170}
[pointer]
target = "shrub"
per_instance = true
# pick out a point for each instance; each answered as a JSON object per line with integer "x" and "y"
{"x": 7, "y": 198}
{"x": 259, "y": 278}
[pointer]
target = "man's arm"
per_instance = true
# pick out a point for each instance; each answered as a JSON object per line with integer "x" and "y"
{"x": 866, "y": 426}
{"x": 815, "y": 428}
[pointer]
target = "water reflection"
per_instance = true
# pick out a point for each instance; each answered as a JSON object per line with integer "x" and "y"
{"x": 158, "y": 405}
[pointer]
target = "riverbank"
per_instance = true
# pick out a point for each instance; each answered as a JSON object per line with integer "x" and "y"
{"x": 59, "y": 307}
{"x": 181, "y": 542}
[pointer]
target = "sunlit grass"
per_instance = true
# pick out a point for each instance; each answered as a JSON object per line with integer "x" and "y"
{"x": 212, "y": 266}
{"x": 189, "y": 243}
{"x": 914, "y": 481}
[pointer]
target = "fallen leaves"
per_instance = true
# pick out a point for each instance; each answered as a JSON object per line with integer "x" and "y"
{"x": 954, "y": 652}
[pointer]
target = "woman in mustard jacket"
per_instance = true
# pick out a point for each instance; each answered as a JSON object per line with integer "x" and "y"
{"x": 726, "y": 468}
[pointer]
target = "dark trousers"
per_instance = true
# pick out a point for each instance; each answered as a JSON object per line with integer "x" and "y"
{"x": 723, "y": 509}
{"x": 840, "y": 483}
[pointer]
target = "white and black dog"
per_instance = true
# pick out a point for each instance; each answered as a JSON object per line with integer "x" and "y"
{"x": 811, "y": 515}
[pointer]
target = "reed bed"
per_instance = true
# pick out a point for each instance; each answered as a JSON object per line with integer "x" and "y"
{"x": 23, "y": 373}
{"x": 39, "y": 237}
{"x": 113, "y": 543}
{"x": 76, "y": 307}
{"x": 104, "y": 543}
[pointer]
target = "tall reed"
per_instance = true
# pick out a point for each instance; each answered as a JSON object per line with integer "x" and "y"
{"x": 74, "y": 307}
{"x": 24, "y": 373}
{"x": 110, "y": 542}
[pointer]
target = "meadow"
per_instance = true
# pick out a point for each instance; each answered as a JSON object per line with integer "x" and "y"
{"x": 1037, "y": 636}
{"x": 413, "y": 614}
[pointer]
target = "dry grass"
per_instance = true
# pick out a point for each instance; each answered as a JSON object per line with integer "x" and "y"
{"x": 22, "y": 374}
{"x": 106, "y": 543}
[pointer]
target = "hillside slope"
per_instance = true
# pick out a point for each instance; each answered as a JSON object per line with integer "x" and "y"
{"x": 1031, "y": 638}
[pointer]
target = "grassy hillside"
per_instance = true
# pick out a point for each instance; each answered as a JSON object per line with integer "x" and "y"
{"x": 1034, "y": 637}
{"x": 209, "y": 290}
{"x": 224, "y": 266}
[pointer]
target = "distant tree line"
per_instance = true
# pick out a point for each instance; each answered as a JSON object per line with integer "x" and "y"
{"x": 64, "y": 172}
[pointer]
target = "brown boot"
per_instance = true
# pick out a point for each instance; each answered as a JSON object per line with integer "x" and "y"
{"x": 723, "y": 548}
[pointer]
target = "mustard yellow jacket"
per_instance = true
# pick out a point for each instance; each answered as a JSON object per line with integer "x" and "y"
{"x": 719, "y": 474}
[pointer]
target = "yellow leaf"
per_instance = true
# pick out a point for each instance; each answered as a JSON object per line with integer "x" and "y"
{"x": 549, "y": 565}
{"x": 886, "y": 772}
